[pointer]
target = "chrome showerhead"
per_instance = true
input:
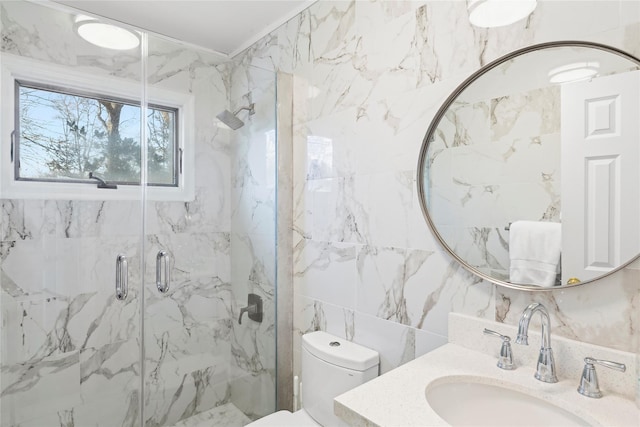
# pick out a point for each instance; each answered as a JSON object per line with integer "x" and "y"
{"x": 230, "y": 119}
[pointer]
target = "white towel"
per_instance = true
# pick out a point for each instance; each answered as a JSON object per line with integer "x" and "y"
{"x": 534, "y": 252}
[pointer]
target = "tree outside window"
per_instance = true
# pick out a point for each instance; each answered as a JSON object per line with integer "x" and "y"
{"x": 64, "y": 136}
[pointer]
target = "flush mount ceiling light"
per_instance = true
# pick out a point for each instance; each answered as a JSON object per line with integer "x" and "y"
{"x": 574, "y": 72}
{"x": 498, "y": 13}
{"x": 105, "y": 35}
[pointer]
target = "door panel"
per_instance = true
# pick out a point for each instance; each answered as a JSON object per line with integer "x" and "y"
{"x": 70, "y": 351}
{"x": 600, "y": 173}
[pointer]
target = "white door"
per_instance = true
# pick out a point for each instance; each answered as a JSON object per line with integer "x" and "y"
{"x": 600, "y": 174}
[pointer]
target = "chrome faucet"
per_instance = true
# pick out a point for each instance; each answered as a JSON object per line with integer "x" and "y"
{"x": 546, "y": 369}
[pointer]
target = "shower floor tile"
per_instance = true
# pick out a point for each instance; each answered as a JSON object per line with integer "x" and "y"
{"x": 222, "y": 416}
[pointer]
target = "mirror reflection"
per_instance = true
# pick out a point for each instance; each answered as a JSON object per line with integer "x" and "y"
{"x": 529, "y": 173}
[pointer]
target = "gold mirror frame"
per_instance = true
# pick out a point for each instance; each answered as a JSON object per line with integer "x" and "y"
{"x": 422, "y": 159}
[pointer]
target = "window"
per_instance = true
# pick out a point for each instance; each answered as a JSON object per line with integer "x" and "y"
{"x": 63, "y": 136}
{"x": 66, "y": 123}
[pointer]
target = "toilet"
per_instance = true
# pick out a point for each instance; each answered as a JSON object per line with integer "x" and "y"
{"x": 330, "y": 367}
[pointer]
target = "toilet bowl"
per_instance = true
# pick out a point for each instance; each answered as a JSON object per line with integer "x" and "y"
{"x": 330, "y": 367}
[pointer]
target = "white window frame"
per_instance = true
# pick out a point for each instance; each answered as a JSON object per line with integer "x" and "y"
{"x": 18, "y": 68}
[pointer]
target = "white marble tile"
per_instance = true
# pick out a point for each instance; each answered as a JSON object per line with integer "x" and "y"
{"x": 110, "y": 372}
{"x": 26, "y": 219}
{"x": 384, "y": 278}
{"x": 29, "y": 330}
{"x": 29, "y": 253}
{"x": 390, "y": 131}
{"x": 327, "y": 272}
{"x": 186, "y": 368}
{"x": 386, "y": 59}
{"x": 42, "y": 386}
{"x": 61, "y": 418}
{"x": 395, "y": 343}
{"x": 253, "y": 265}
{"x": 332, "y": 46}
{"x": 209, "y": 211}
{"x": 338, "y": 210}
{"x": 417, "y": 288}
{"x": 121, "y": 409}
{"x": 254, "y": 393}
{"x": 387, "y": 201}
{"x": 253, "y": 209}
{"x": 195, "y": 392}
{"x": 330, "y": 149}
{"x": 293, "y": 44}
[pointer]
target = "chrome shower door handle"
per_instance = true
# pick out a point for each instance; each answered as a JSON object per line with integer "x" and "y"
{"x": 162, "y": 263}
{"x": 122, "y": 277}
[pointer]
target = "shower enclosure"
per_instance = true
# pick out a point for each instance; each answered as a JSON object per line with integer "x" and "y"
{"x": 120, "y": 305}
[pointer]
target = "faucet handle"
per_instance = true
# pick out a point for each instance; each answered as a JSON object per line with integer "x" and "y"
{"x": 607, "y": 363}
{"x": 253, "y": 309}
{"x": 589, "y": 381}
{"x": 505, "y": 360}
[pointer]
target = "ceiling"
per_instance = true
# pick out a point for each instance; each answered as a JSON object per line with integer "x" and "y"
{"x": 224, "y": 26}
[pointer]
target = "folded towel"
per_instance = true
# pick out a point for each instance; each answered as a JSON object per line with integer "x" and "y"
{"x": 534, "y": 252}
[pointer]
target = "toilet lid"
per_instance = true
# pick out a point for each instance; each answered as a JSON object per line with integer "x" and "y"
{"x": 286, "y": 419}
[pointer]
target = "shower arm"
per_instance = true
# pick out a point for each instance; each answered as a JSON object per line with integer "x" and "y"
{"x": 251, "y": 109}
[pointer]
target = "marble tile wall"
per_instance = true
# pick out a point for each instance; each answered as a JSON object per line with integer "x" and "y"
{"x": 70, "y": 351}
{"x": 368, "y": 78}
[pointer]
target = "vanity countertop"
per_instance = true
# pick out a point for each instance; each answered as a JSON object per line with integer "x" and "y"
{"x": 397, "y": 398}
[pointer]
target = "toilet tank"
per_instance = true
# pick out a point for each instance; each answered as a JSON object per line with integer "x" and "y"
{"x": 330, "y": 367}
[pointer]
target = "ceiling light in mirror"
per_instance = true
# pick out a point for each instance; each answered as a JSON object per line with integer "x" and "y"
{"x": 574, "y": 72}
{"x": 498, "y": 13}
{"x": 105, "y": 35}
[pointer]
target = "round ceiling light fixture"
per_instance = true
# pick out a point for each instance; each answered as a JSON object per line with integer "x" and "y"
{"x": 498, "y": 13}
{"x": 105, "y": 35}
{"x": 574, "y": 72}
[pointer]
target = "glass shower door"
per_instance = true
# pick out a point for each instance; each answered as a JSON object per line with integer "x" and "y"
{"x": 120, "y": 306}
{"x": 70, "y": 349}
{"x": 207, "y": 247}
{"x": 253, "y": 150}
{"x": 188, "y": 301}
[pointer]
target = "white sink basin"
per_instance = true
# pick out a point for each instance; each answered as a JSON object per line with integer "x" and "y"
{"x": 468, "y": 401}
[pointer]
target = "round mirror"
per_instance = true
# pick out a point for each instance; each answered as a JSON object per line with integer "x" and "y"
{"x": 529, "y": 173}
